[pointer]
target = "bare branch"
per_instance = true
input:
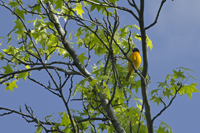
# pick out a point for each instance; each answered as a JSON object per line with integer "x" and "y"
{"x": 101, "y": 119}
{"x": 165, "y": 107}
{"x": 86, "y": 109}
{"x": 40, "y": 68}
{"x": 31, "y": 12}
{"x": 48, "y": 88}
{"x": 113, "y": 6}
{"x": 70, "y": 89}
{"x": 145, "y": 69}
{"x": 10, "y": 111}
{"x": 66, "y": 44}
{"x": 133, "y": 4}
{"x": 163, "y": 1}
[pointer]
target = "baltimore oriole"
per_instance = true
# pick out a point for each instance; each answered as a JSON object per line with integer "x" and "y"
{"x": 136, "y": 59}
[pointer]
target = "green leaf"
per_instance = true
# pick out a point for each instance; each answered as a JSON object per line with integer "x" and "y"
{"x": 123, "y": 32}
{"x": 111, "y": 129}
{"x": 20, "y": 13}
{"x": 192, "y": 77}
{"x": 178, "y": 74}
{"x": 189, "y": 89}
{"x": 167, "y": 77}
{"x": 82, "y": 58}
{"x": 104, "y": 77}
{"x": 113, "y": 1}
{"x": 93, "y": 6}
{"x": 80, "y": 86}
{"x": 156, "y": 99}
{"x": 154, "y": 91}
{"x": 138, "y": 99}
{"x": 164, "y": 85}
{"x": 23, "y": 75}
{"x": 79, "y": 32}
{"x": 37, "y": 8}
{"x": 65, "y": 55}
{"x": 9, "y": 50}
{"x": 1, "y": 56}
{"x": 13, "y": 4}
{"x": 149, "y": 43}
{"x": 137, "y": 36}
{"x": 7, "y": 69}
{"x": 65, "y": 121}
{"x": 39, "y": 129}
{"x": 185, "y": 69}
{"x": 9, "y": 39}
{"x": 136, "y": 26}
{"x": 59, "y": 4}
{"x": 166, "y": 125}
{"x": 161, "y": 130}
{"x": 106, "y": 91}
{"x": 137, "y": 85}
{"x": 70, "y": 36}
{"x": 102, "y": 127}
{"x": 9, "y": 35}
{"x": 79, "y": 10}
{"x": 167, "y": 93}
{"x": 93, "y": 82}
{"x": 48, "y": 116}
{"x": 19, "y": 26}
{"x": 10, "y": 86}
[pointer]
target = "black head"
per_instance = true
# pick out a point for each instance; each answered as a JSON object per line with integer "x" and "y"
{"x": 136, "y": 50}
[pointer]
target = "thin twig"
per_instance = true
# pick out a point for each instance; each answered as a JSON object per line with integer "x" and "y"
{"x": 158, "y": 13}
{"x": 165, "y": 107}
{"x": 138, "y": 130}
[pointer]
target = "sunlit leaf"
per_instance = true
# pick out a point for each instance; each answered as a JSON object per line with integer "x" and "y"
{"x": 136, "y": 26}
{"x": 79, "y": 10}
{"x": 149, "y": 43}
{"x": 27, "y": 67}
{"x": 10, "y": 85}
{"x": 189, "y": 89}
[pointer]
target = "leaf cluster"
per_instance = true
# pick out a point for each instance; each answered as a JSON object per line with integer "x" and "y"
{"x": 174, "y": 83}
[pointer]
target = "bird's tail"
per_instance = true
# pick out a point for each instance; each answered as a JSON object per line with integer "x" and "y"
{"x": 128, "y": 76}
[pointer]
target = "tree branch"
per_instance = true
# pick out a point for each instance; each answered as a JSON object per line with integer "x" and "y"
{"x": 165, "y": 107}
{"x": 145, "y": 69}
{"x": 40, "y": 68}
{"x": 113, "y": 6}
{"x": 163, "y": 1}
{"x": 108, "y": 108}
{"x": 66, "y": 44}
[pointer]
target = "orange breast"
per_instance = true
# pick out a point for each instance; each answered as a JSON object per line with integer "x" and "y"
{"x": 136, "y": 59}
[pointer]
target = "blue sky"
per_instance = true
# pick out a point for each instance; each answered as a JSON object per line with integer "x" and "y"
{"x": 176, "y": 44}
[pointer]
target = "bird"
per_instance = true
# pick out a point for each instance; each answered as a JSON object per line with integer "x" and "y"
{"x": 136, "y": 59}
